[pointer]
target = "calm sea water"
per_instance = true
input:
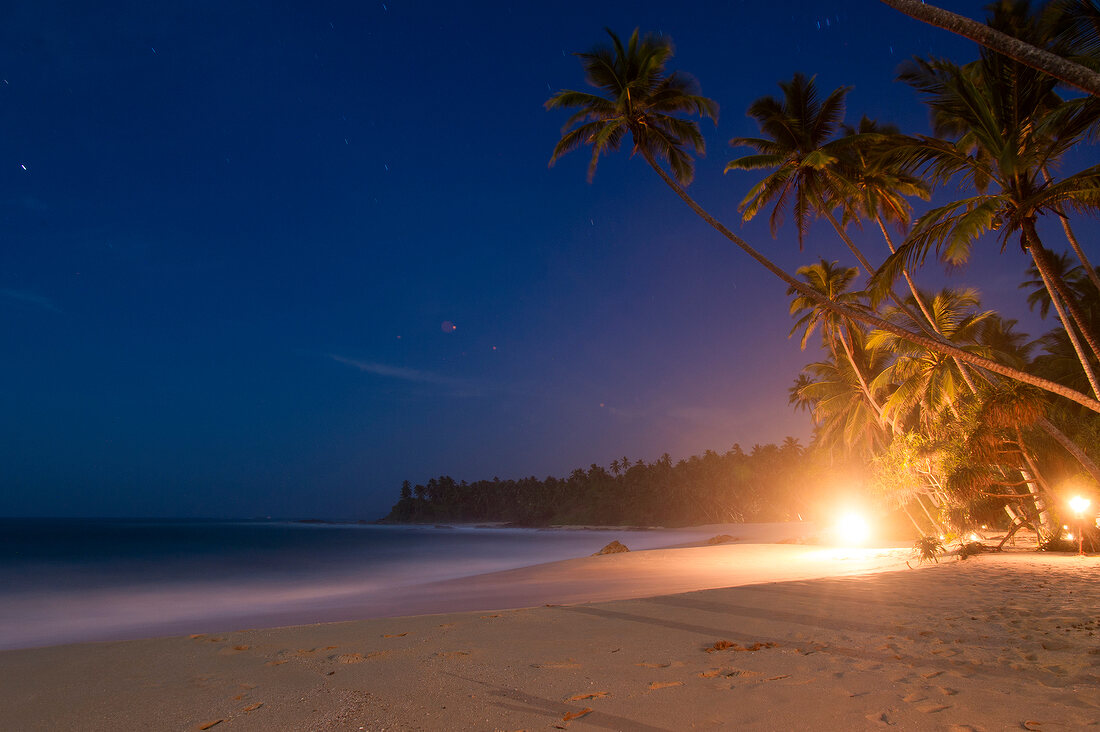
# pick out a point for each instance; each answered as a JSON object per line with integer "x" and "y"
{"x": 64, "y": 581}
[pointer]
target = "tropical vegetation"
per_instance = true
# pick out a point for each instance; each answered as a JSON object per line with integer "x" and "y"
{"x": 767, "y": 483}
{"x": 949, "y": 414}
{"x": 957, "y": 418}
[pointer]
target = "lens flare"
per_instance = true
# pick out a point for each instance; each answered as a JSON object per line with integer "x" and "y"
{"x": 1078, "y": 504}
{"x": 852, "y": 529}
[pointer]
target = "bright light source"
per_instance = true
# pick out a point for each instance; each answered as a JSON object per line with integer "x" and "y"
{"x": 851, "y": 528}
{"x": 1069, "y": 536}
{"x": 974, "y": 537}
{"x": 1078, "y": 504}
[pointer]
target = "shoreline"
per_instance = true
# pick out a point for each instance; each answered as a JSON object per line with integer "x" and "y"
{"x": 958, "y": 645}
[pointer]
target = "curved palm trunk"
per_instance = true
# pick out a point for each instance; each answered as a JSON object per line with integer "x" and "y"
{"x": 877, "y": 322}
{"x": 1073, "y": 243}
{"x": 1076, "y": 246}
{"x": 923, "y": 307}
{"x": 936, "y": 524}
{"x": 1071, "y": 332}
{"x": 1071, "y": 447}
{"x": 1040, "y": 256}
{"x": 1074, "y": 74}
{"x": 859, "y": 375}
{"x": 871, "y": 270}
{"x": 920, "y": 529}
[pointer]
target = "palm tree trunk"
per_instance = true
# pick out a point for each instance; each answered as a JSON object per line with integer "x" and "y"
{"x": 1073, "y": 74}
{"x": 1067, "y": 326}
{"x": 1033, "y": 479}
{"x": 935, "y": 524}
{"x": 921, "y": 304}
{"x": 872, "y": 320}
{"x": 871, "y": 270}
{"x": 1040, "y": 256}
{"x": 859, "y": 375}
{"x": 1071, "y": 447}
{"x": 920, "y": 531}
{"x": 1072, "y": 239}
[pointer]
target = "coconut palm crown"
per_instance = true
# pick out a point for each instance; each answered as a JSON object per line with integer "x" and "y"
{"x": 797, "y": 146}
{"x": 638, "y": 96}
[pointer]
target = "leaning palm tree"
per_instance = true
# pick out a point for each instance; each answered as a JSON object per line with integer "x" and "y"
{"x": 814, "y": 170}
{"x": 1002, "y": 129}
{"x": 883, "y": 188}
{"x": 845, "y": 418}
{"x": 1006, "y": 132}
{"x": 924, "y": 381}
{"x": 836, "y": 331}
{"x": 800, "y": 148}
{"x": 640, "y": 97}
{"x": 642, "y": 100}
{"x": 1071, "y": 72}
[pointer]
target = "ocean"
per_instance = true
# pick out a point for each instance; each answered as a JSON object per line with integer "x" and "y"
{"x": 75, "y": 580}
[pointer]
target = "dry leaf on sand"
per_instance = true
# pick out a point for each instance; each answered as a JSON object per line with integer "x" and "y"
{"x": 593, "y": 695}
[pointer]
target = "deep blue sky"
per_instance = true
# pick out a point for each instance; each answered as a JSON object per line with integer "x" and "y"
{"x": 241, "y": 227}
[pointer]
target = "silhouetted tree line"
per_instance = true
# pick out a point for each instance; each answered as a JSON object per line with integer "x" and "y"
{"x": 770, "y": 483}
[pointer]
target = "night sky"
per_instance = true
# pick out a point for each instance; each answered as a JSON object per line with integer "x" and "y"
{"x": 274, "y": 258}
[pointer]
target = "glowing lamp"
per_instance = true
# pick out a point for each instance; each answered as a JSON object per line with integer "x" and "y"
{"x": 851, "y": 528}
{"x": 1078, "y": 504}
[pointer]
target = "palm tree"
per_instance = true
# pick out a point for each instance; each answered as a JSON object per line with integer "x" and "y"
{"x": 845, "y": 418}
{"x": 1057, "y": 341}
{"x": 1072, "y": 73}
{"x": 641, "y": 98}
{"x": 925, "y": 380}
{"x": 1004, "y": 138}
{"x": 814, "y": 171}
{"x": 883, "y": 188}
{"x": 799, "y": 148}
{"x": 834, "y": 282}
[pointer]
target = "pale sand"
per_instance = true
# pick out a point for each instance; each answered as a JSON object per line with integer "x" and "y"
{"x": 1006, "y": 641}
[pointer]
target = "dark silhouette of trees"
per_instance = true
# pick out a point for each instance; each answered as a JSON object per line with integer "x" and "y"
{"x": 771, "y": 483}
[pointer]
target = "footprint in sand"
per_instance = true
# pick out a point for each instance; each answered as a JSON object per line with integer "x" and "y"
{"x": 351, "y": 658}
{"x": 654, "y": 685}
{"x": 932, "y": 707}
{"x": 880, "y": 718}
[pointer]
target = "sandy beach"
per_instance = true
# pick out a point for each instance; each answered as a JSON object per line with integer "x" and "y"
{"x": 797, "y": 637}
